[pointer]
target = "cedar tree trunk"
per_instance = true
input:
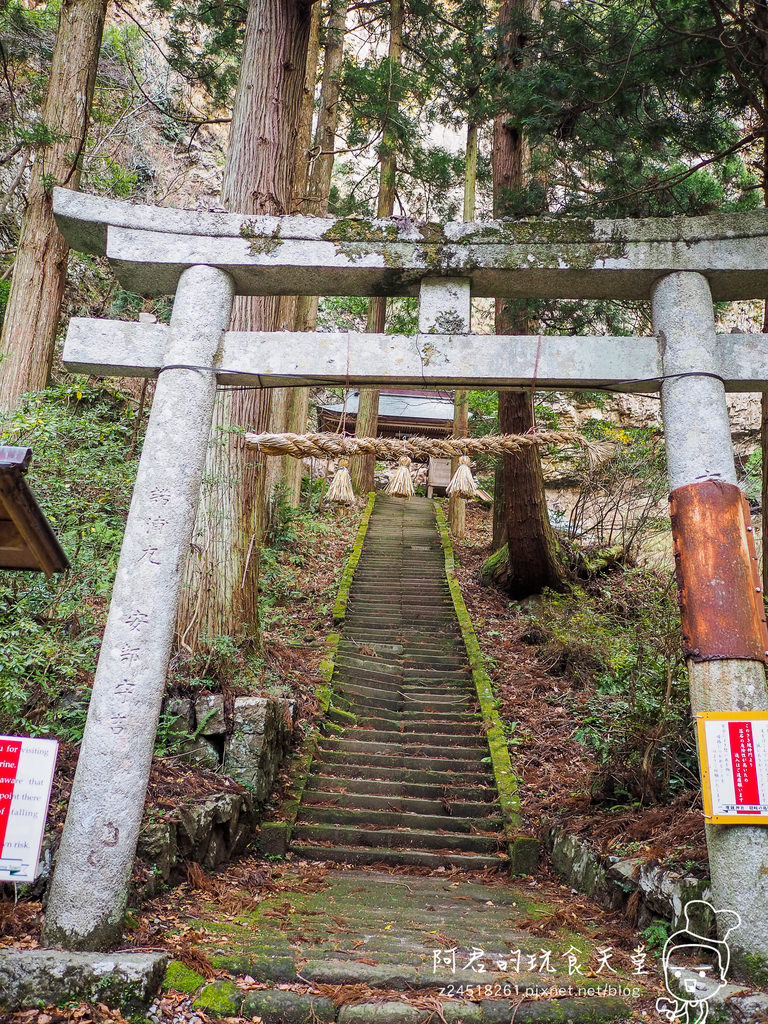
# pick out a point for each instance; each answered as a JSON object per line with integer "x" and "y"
{"x": 367, "y": 424}
{"x": 221, "y": 593}
{"x": 527, "y": 558}
{"x": 34, "y": 303}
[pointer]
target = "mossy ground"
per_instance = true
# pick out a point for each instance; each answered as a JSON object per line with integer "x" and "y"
{"x": 377, "y": 918}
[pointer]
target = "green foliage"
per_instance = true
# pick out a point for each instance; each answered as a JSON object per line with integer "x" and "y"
{"x": 751, "y": 481}
{"x": 656, "y": 934}
{"x": 621, "y": 635}
{"x": 112, "y": 179}
{"x": 5, "y": 290}
{"x": 82, "y": 473}
{"x": 623, "y": 106}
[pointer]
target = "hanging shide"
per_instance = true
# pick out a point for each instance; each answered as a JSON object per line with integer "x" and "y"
{"x": 341, "y": 485}
{"x": 401, "y": 484}
{"x": 462, "y": 483}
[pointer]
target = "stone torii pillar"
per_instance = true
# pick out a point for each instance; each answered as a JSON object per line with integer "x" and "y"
{"x": 721, "y": 597}
{"x": 89, "y": 888}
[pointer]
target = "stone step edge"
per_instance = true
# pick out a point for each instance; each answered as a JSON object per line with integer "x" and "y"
{"x": 507, "y": 782}
{"x": 224, "y": 1000}
{"x": 275, "y": 832}
{"x": 342, "y": 598}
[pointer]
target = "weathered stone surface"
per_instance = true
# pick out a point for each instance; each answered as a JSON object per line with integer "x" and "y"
{"x": 157, "y": 845}
{"x": 149, "y": 248}
{"x": 180, "y": 717}
{"x": 587, "y": 1010}
{"x": 382, "y": 1013}
{"x": 202, "y": 752}
{"x": 209, "y": 713}
{"x": 663, "y": 892}
{"x": 90, "y": 882}
{"x": 278, "y": 1007}
{"x": 280, "y": 358}
{"x": 261, "y": 730}
{"x": 39, "y": 977}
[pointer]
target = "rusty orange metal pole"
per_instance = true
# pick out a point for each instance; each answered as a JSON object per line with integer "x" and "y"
{"x": 720, "y": 592}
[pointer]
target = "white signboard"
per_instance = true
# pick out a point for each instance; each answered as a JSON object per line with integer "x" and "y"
{"x": 26, "y": 774}
{"x": 733, "y": 748}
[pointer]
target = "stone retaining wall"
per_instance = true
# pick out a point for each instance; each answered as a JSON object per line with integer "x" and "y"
{"x": 660, "y": 893}
{"x": 212, "y": 830}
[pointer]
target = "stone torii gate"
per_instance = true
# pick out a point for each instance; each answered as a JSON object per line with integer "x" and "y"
{"x": 205, "y": 259}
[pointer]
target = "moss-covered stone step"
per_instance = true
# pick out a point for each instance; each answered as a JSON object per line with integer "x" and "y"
{"x": 382, "y": 855}
{"x": 449, "y": 735}
{"x": 397, "y": 788}
{"x": 387, "y": 688}
{"x": 463, "y": 808}
{"x": 418, "y": 720}
{"x": 396, "y": 745}
{"x": 395, "y": 839}
{"x": 373, "y": 632}
{"x": 399, "y": 819}
{"x": 394, "y": 761}
{"x": 444, "y": 780}
{"x": 362, "y": 697}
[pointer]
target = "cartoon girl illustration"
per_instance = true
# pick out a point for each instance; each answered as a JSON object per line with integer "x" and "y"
{"x": 698, "y": 983}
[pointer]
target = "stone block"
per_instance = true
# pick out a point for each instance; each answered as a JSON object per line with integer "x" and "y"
{"x": 209, "y": 712}
{"x": 382, "y": 1013}
{"x": 282, "y": 1007}
{"x": 261, "y": 731}
{"x": 524, "y": 854}
{"x": 39, "y": 977}
{"x": 180, "y": 714}
{"x": 202, "y": 753}
{"x": 196, "y": 822}
{"x": 157, "y": 845}
{"x": 273, "y": 838}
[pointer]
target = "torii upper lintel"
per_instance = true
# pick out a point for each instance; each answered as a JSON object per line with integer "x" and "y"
{"x": 149, "y": 248}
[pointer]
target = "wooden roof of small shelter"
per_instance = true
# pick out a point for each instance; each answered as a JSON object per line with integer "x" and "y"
{"x": 403, "y": 412}
{"x": 26, "y": 538}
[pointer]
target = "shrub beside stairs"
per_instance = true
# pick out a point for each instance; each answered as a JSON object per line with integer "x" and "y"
{"x": 410, "y": 766}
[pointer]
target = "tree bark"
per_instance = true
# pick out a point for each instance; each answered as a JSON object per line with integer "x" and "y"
{"x": 521, "y": 520}
{"x": 220, "y": 596}
{"x": 362, "y": 467}
{"x": 457, "y": 507}
{"x": 297, "y": 399}
{"x": 34, "y": 302}
{"x": 321, "y": 165}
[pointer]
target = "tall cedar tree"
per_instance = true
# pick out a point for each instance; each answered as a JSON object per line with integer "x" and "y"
{"x": 220, "y": 598}
{"x": 39, "y": 274}
{"x": 651, "y": 110}
{"x": 528, "y": 557}
{"x": 367, "y": 422}
{"x": 297, "y": 399}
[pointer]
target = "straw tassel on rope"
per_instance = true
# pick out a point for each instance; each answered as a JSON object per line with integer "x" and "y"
{"x": 341, "y": 485}
{"x": 401, "y": 484}
{"x": 462, "y": 484}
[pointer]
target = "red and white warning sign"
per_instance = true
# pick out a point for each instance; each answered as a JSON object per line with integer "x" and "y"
{"x": 733, "y": 749}
{"x": 26, "y": 774}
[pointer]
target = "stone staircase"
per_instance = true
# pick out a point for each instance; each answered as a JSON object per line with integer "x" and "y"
{"x": 410, "y": 782}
